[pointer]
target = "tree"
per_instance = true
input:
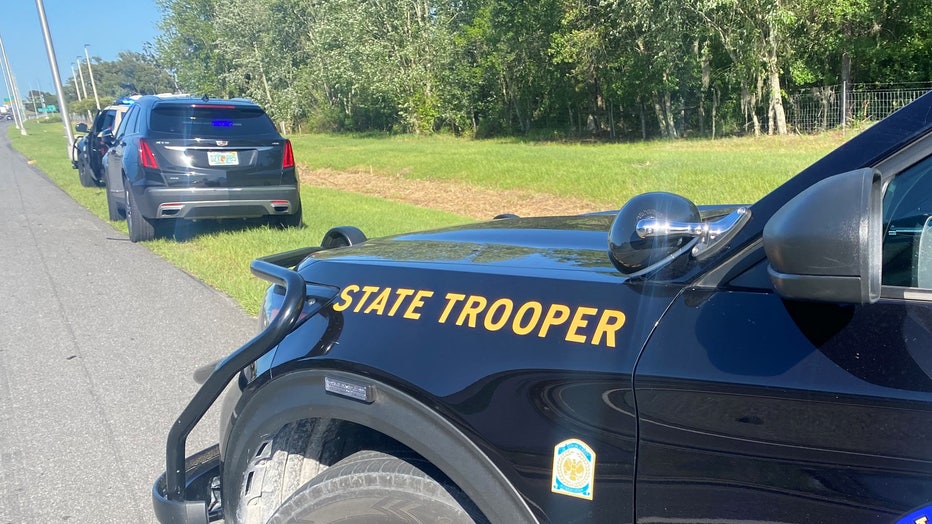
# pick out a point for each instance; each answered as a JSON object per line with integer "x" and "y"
{"x": 752, "y": 33}
{"x": 188, "y": 45}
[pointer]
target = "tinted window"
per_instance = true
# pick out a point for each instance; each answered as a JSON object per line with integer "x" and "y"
{"x": 210, "y": 121}
{"x": 103, "y": 120}
{"x": 907, "y": 246}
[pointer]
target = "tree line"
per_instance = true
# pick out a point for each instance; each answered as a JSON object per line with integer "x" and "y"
{"x": 601, "y": 68}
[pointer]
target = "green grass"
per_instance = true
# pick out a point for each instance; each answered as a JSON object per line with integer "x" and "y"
{"x": 708, "y": 172}
{"x": 735, "y": 170}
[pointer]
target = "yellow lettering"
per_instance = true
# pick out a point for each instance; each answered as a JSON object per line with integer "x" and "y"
{"x": 556, "y": 315}
{"x": 476, "y": 310}
{"x": 401, "y": 293}
{"x": 536, "y": 309}
{"x": 474, "y": 305}
{"x": 416, "y": 304}
{"x": 378, "y": 305}
{"x": 609, "y": 324}
{"x": 367, "y": 291}
{"x": 504, "y": 304}
{"x": 452, "y": 300}
{"x": 579, "y": 322}
{"x": 347, "y": 298}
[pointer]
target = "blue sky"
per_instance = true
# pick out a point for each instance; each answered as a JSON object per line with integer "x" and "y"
{"x": 109, "y": 27}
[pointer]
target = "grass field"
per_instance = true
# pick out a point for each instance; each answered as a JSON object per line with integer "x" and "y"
{"x": 708, "y": 172}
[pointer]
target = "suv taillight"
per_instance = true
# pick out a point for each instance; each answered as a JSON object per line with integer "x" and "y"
{"x": 146, "y": 157}
{"x": 288, "y": 156}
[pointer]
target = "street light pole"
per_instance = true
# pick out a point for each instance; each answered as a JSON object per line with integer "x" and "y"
{"x": 53, "y": 63}
{"x": 74, "y": 76}
{"x": 17, "y": 117}
{"x": 91, "y": 73}
{"x": 81, "y": 72}
{"x": 6, "y": 84}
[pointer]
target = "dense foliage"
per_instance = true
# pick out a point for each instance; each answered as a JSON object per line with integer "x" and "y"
{"x": 632, "y": 68}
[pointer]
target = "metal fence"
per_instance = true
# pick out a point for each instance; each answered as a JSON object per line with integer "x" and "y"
{"x": 822, "y": 108}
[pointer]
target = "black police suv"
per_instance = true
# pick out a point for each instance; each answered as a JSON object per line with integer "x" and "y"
{"x": 89, "y": 150}
{"x": 665, "y": 363}
{"x": 178, "y": 157}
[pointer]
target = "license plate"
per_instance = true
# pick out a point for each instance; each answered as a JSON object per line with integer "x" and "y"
{"x": 222, "y": 158}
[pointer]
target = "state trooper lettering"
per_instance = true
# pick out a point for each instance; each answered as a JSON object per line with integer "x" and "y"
{"x": 578, "y": 324}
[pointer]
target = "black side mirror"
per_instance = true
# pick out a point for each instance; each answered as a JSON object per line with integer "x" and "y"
{"x": 825, "y": 244}
{"x": 81, "y": 127}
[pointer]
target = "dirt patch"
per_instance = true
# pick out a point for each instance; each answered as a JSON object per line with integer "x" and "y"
{"x": 455, "y": 197}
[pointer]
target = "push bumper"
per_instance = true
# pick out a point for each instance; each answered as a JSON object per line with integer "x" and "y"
{"x": 201, "y": 502}
{"x": 187, "y": 493}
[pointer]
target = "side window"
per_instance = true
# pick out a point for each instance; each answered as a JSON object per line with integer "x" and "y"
{"x": 128, "y": 124}
{"x": 107, "y": 121}
{"x": 907, "y": 228}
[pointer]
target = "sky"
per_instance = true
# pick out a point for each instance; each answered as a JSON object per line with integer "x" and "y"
{"x": 109, "y": 27}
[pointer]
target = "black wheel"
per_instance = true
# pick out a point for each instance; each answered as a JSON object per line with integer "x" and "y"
{"x": 85, "y": 176}
{"x": 140, "y": 228}
{"x": 288, "y": 221}
{"x": 113, "y": 207}
{"x": 375, "y": 487}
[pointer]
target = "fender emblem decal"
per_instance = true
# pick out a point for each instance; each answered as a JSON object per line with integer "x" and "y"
{"x": 573, "y": 469}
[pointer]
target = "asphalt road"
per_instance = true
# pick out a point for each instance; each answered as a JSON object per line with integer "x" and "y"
{"x": 98, "y": 341}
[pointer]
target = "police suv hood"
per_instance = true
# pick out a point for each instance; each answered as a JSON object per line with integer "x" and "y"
{"x": 577, "y": 243}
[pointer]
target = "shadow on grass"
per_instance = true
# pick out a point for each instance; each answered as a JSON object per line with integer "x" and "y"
{"x": 189, "y": 230}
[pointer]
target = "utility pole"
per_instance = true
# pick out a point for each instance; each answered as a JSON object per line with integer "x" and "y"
{"x": 91, "y": 73}
{"x": 53, "y": 63}
{"x": 17, "y": 117}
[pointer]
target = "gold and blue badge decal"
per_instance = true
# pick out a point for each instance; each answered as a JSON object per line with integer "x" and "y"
{"x": 920, "y": 516}
{"x": 573, "y": 469}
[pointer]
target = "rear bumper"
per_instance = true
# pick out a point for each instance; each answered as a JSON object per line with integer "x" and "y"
{"x": 200, "y": 504}
{"x": 195, "y": 203}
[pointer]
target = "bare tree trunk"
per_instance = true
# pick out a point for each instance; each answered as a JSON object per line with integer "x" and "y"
{"x": 845, "y": 82}
{"x": 611, "y": 117}
{"x": 658, "y": 112}
{"x": 777, "y": 114}
{"x": 714, "y": 110}
{"x": 643, "y": 120}
{"x": 749, "y": 105}
{"x": 663, "y": 108}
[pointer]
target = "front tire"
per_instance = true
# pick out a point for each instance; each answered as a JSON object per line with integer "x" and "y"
{"x": 371, "y": 486}
{"x": 84, "y": 175}
{"x": 141, "y": 229}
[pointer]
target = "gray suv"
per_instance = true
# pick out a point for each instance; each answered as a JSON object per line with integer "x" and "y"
{"x": 178, "y": 157}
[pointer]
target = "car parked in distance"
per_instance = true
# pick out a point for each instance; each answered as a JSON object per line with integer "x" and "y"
{"x": 88, "y": 151}
{"x": 183, "y": 158}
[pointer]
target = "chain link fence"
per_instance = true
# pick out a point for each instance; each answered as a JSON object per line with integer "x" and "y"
{"x": 823, "y": 108}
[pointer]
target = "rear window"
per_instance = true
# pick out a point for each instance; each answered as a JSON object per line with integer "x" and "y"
{"x": 210, "y": 121}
